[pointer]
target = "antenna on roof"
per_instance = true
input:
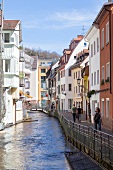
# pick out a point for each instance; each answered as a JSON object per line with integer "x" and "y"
{"x": 83, "y": 29}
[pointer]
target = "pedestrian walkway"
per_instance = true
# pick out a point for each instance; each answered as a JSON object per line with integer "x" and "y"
{"x": 85, "y": 122}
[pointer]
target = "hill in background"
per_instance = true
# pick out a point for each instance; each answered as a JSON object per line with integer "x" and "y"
{"x": 41, "y": 53}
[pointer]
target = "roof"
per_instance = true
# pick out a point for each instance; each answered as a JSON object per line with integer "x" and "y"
{"x": 101, "y": 12}
{"x": 10, "y": 24}
{"x": 75, "y": 65}
{"x": 34, "y": 65}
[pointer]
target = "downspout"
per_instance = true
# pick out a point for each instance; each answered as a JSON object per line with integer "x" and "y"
{"x": 110, "y": 48}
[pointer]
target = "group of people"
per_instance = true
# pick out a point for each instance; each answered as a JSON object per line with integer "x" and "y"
{"x": 76, "y": 112}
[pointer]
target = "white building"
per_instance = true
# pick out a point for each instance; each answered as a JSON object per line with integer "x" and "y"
{"x": 34, "y": 79}
{"x": 12, "y": 39}
{"x": 94, "y": 66}
{"x": 68, "y": 76}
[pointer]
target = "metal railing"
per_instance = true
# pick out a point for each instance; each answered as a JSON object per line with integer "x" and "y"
{"x": 97, "y": 144}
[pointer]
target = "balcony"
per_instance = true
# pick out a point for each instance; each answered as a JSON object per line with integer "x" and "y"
{"x": 11, "y": 80}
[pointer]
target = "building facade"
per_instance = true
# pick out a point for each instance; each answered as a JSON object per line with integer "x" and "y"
{"x": 93, "y": 37}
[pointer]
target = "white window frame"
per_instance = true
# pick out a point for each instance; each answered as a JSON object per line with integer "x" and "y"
{"x": 94, "y": 47}
{"x": 97, "y": 76}
{"x": 97, "y": 45}
{"x": 94, "y": 78}
{"x": 103, "y": 72}
{"x": 107, "y": 70}
{"x": 102, "y": 38}
{"x": 91, "y": 50}
{"x": 107, "y": 33}
{"x": 102, "y": 106}
{"x": 107, "y": 109}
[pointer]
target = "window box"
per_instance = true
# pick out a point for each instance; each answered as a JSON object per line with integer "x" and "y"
{"x": 102, "y": 82}
{"x": 107, "y": 80}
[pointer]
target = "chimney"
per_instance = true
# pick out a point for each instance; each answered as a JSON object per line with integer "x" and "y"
{"x": 80, "y": 36}
{"x": 110, "y": 0}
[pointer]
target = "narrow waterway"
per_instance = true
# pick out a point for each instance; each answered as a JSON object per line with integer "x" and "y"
{"x": 38, "y": 145}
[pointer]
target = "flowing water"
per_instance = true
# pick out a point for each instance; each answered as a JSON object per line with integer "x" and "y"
{"x": 38, "y": 145}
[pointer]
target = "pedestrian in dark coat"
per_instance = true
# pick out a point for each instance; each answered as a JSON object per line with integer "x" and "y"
{"x": 74, "y": 112}
{"x": 97, "y": 118}
{"x": 79, "y": 113}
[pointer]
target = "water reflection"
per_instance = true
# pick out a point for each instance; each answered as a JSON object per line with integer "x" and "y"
{"x": 38, "y": 145}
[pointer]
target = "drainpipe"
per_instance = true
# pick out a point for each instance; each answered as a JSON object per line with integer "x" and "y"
{"x": 110, "y": 48}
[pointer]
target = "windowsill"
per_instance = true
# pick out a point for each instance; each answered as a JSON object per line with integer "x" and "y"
{"x": 107, "y": 43}
{"x": 102, "y": 48}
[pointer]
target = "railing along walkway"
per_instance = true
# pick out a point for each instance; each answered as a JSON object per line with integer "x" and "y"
{"x": 97, "y": 144}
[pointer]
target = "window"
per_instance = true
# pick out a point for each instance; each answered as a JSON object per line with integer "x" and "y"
{"x": 7, "y": 65}
{"x": 70, "y": 103}
{"x": 58, "y": 89}
{"x": 43, "y": 85}
{"x": 102, "y": 38}
{"x": 103, "y": 73}
{"x": 79, "y": 74}
{"x": 94, "y": 48}
{"x": 94, "y": 78}
{"x": 43, "y": 93}
{"x": 69, "y": 87}
{"x": 91, "y": 50}
{"x": 69, "y": 72}
{"x": 43, "y": 70}
{"x": 58, "y": 76}
{"x": 27, "y": 84}
{"x": 43, "y": 78}
{"x": 97, "y": 44}
{"x": 107, "y": 70}
{"x": 76, "y": 90}
{"x": 107, "y": 32}
{"x": 6, "y": 37}
{"x": 97, "y": 76}
{"x": 107, "y": 107}
{"x": 74, "y": 75}
{"x": 102, "y": 102}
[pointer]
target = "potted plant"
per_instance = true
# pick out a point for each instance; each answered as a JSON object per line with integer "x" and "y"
{"x": 90, "y": 93}
{"x": 107, "y": 80}
{"x": 102, "y": 82}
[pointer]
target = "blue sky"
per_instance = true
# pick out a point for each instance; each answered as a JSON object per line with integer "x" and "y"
{"x": 51, "y": 24}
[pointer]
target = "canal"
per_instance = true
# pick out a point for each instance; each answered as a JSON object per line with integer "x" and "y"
{"x": 38, "y": 145}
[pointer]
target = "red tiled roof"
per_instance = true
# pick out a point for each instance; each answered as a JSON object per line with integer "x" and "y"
{"x": 10, "y": 24}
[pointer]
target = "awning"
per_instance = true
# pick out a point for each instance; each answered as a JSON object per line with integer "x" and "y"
{"x": 21, "y": 92}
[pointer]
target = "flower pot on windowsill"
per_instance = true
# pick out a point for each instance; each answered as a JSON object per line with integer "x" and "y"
{"x": 107, "y": 80}
{"x": 102, "y": 82}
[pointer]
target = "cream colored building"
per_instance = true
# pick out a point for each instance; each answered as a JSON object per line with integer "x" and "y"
{"x": 43, "y": 66}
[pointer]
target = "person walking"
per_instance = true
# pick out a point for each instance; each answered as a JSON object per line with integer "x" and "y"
{"x": 97, "y": 118}
{"x": 74, "y": 110}
{"x": 79, "y": 113}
